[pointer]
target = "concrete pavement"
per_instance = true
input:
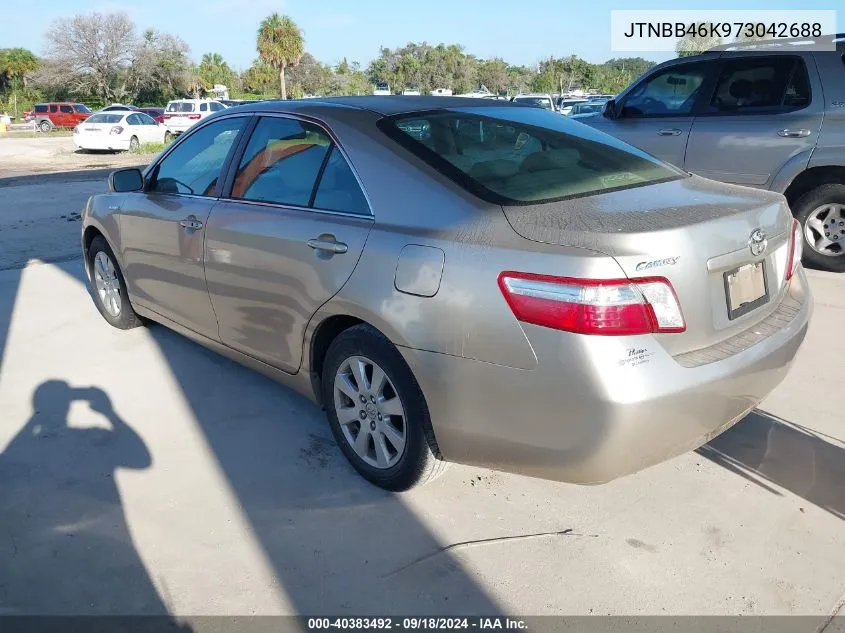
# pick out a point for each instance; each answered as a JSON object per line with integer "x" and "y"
{"x": 144, "y": 474}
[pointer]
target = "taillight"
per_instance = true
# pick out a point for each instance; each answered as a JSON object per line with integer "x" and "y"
{"x": 116, "y": 130}
{"x": 193, "y": 117}
{"x": 609, "y": 307}
{"x": 167, "y": 116}
{"x": 796, "y": 249}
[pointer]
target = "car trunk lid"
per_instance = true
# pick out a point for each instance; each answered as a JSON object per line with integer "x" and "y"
{"x": 695, "y": 233}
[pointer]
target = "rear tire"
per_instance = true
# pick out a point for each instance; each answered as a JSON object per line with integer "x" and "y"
{"x": 108, "y": 287}
{"x": 45, "y": 126}
{"x": 417, "y": 463}
{"x": 818, "y": 207}
{"x": 134, "y": 144}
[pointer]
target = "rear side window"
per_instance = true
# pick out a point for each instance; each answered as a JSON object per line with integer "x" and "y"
{"x": 54, "y": 109}
{"x": 41, "y": 109}
{"x": 338, "y": 189}
{"x": 755, "y": 85}
{"x": 133, "y": 119}
{"x": 517, "y": 156}
{"x": 203, "y": 107}
{"x": 194, "y": 165}
{"x": 281, "y": 162}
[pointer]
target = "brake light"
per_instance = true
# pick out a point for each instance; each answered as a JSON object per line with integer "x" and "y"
{"x": 193, "y": 117}
{"x": 796, "y": 249}
{"x": 116, "y": 130}
{"x": 608, "y": 307}
{"x": 167, "y": 116}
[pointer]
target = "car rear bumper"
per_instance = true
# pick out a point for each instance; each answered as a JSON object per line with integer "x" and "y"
{"x": 598, "y": 408}
{"x": 104, "y": 142}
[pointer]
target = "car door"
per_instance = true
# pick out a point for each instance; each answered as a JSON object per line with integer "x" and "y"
{"x": 657, "y": 114}
{"x": 148, "y": 129}
{"x": 163, "y": 227}
{"x": 66, "y": 116}
{"x": 765, "y": 110}
{"x": 133, "y": 122}
{"x": 284, "y": 239}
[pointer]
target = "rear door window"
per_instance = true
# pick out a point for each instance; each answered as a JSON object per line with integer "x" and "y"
{"x": 66, "y": 109}
{"x": 282, "y": 162}
{"x": 761, "y": 85}
{"x": 133, "y": 119}
{"x": 339, "y": 189}
{"x": 203, "y": 107}
{"x": 54, "y": 109}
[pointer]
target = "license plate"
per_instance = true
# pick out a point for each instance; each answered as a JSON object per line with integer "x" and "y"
{"x": 745, "y": 288}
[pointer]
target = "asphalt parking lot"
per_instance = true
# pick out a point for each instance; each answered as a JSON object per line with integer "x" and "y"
{"x": 143, "y": 474}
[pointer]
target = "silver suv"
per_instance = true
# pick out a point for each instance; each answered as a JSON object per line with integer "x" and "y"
{"x": 765, "y": 115}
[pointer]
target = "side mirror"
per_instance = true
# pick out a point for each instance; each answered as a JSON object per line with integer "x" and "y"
{"x": 125, "y": 180}
{"x": 608, "y": 110}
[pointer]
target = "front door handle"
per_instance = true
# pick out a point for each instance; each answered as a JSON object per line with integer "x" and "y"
{"x": 669, "y": 131}
{"x": 328, "y": 244}
{"x": 787, "y": 133}
{"x": 191, "y": 223}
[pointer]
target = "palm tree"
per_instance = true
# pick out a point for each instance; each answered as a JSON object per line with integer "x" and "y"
{"x": 16, "y": 63}
{"x": 280, "y": 44}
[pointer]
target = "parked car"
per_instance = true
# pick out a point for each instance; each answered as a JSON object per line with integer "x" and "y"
{"x": 48, "y": 116}
{"x": 769, "y": 115}
{"x": 564, "y": 105}
{"x": 119, "y": 107}
{"x": 118, "y": 131}
{"x": 501, "y": 286}
{"x": 537, "y": 100}
{"x": 587, "y": 107}
{"x": 181, "y": 114}
{"x": 157, "y": 114}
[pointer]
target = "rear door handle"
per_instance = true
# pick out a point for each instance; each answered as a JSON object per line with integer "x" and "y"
{"x": 669, "y": 131}
{"x": 787, "y": 133}
{"x": 328, "y": 244}
{"x": 191, "y": 223}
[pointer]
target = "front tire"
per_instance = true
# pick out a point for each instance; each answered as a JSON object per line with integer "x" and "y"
{"x": 377, "y": 411}
{"x": 821, "y": 212}
{"x": 109, "y": 288}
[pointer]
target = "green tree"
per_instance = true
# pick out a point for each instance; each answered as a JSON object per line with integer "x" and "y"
{"x": 213, "y": 69}
{"x": 693, "y": 43}
{"x": 493, "y": 73}
{"x": 260, "y": 78}
{"x": 281, "y": 45}
{"x": 15, "y": 63}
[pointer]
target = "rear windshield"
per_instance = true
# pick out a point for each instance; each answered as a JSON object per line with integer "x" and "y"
{"x": 105, "y": 117}
{"x": 180, "y": 106}
{"x": 517, "y": 156}
{"x": 41, "y": 108}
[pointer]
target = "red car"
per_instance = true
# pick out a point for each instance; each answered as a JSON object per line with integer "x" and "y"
{"x": 155, "y": 113}
{"x": 65, "y": 114}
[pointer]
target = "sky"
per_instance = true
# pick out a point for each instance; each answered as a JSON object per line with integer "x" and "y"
{"x": 520, "y": 31}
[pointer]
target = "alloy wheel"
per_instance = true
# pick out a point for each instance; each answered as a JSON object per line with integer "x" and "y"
{"x": 370, "y": 412}
{"x": 824, "y": 229}
{"x": 107, "y": 283}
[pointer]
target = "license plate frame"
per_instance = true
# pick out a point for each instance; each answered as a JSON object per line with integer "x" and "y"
{"x": 743, "y": 286}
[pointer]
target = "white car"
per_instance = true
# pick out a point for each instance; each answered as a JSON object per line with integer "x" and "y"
{"x": 181, "y": 114}
{"x": 118, "y": 131}
{"x": 536, "y": 100}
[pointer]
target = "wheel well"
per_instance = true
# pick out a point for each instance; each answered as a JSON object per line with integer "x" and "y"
{"x": 326, "y": 332}
{"x": 88, "y": 237}
{"x": 811, "y": 178}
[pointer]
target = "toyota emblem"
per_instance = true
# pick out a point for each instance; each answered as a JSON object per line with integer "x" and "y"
{"x": 757, "y": 242}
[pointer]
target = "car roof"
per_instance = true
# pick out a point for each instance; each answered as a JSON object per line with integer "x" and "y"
{"x": 385, "y": 105}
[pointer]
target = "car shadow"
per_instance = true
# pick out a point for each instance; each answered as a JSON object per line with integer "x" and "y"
{"x": 770, "y": 451}
{"x": 336, "y": 543}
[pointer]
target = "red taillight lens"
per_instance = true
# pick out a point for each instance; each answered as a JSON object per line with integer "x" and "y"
{"x": 193, "y": 117}
{"x": 609, "y": 307}
{"x": 796, "y": 249}
{"x": 116, "y": 130}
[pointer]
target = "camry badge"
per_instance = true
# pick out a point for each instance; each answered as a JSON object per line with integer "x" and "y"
{"x": 757, "y": 242}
